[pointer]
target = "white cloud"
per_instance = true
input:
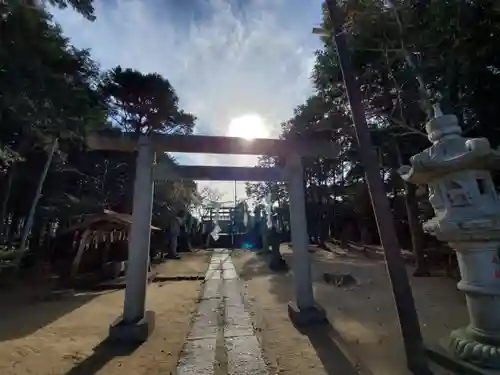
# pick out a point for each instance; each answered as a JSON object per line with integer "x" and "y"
{"x": 225, "y": 64}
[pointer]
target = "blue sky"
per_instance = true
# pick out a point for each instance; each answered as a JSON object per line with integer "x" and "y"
{"x": 225, "y": 58}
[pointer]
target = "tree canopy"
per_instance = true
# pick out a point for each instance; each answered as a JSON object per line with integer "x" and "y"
{"x": 407, "y": 56}
{"x": 51, "y": 90}
{"x": 84, "y": 7}
{"x": 142, "y": 103}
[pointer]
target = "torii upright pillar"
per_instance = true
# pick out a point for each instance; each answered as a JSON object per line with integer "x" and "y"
{"x": 136, "y": 324}
{"x": 304, "y": 311}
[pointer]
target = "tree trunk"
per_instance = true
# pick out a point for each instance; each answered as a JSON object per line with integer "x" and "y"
{"x": 36, "y": 239}
{"x": 365, "y": 232}
{"x": 417, "y": 233}
{"x": 416, "y": 230}
{"x": 13, "y": 228}
{"x": 75, "y": 266}
{"x": 31, "y": 215}
{"x": 5, "y": 201}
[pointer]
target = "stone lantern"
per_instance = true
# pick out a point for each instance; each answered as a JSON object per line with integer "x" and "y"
{"x": 467, "y": 216}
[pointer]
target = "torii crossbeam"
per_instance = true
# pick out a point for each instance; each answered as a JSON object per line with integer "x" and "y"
{"x": 217, "y": 173}
{"x": 204, "y": 144}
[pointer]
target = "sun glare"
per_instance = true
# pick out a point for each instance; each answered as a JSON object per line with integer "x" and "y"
{"x": 248, "y": 126}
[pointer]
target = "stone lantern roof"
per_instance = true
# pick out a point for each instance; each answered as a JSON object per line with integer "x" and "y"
{"x": 449, "y": 153}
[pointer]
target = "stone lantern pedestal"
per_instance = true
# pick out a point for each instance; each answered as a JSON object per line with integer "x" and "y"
{"x": 467, "y": 216}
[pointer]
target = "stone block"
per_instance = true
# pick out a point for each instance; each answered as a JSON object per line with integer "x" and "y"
{"x": 206, "y": 320}
{"x": 244, "y": 356}
{"x": 314, "y": 315}
{"x": 127, "y": 332}
{"x": 197, "y": 357}
{"x": 212, "y": 289}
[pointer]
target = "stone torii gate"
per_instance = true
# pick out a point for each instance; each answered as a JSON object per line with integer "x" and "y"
{"x": 136, "y": 324}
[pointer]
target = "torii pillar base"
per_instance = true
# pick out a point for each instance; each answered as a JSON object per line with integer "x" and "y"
{"x": 138, "y": 332}
{"x": 304, "y": 317}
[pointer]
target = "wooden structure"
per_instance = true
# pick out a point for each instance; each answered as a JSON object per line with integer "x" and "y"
{"x": 98, "y": 241}
{"x": 226, "y": 216}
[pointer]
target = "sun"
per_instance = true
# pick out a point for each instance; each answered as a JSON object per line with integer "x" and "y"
{"x": 248, "y": 126}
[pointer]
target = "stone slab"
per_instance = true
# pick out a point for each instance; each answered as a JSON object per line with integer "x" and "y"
{"x": 241, "y": 320}
{"x": 238, "y": 325}
{"x": 206, "y": 320}
{"x": 213, "y": 275}
{"x": 237, "y": 321}
{"x": 225, "y": 261}
{"x": 231, "y": 291}
{"x": 197, "y": 357}
{"x": 314, "y": 315}
{"x": 229, "y": 274}
{"x": 244, "y": 356}
{"x": 238, "y": 331}
{"x": 233, "y": 301}
{"x": 213, "y": 289}
{"x": 126, "y": 332}
{"x": 222, "y": 290}
{"x": 220, "y": 251}
{"x": 208, "y": 306}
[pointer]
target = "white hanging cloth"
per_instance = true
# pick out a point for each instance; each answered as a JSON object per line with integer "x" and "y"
{"x": 269, "y": 205}
{"x": 245, "y": 219}
{"x": 215, "y": 232}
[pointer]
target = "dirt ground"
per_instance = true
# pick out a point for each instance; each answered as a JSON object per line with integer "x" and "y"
{"x": 66, "y": 336}
{"x": 192, "y": 264}
{"x": 363, "y": 335}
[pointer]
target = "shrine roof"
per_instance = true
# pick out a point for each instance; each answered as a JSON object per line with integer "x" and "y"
{"x": 107, "y": 220}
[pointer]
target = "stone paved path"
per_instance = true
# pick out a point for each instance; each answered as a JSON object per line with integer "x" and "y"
{"x": 222, "y": 339}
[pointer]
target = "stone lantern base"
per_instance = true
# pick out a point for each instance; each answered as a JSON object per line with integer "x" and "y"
{"x": 465, "y": 347}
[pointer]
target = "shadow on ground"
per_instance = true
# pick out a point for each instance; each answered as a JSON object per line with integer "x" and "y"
{"x": 330, "y": 348}
{"x": 324, "y": 340}
{"x": 257, "y": 266}
{"x": 24, "y": 312}
{"x": 364, "y": 314}
{"x": 372, "y": 294}
{"x": 102, "y": 354}
{"x": 190, "y": 264}
{"x": 27, "y": 315}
